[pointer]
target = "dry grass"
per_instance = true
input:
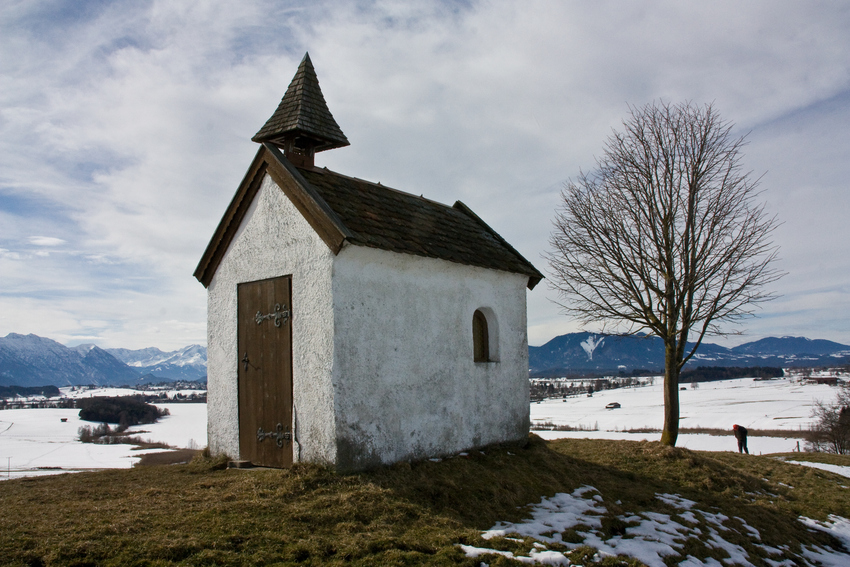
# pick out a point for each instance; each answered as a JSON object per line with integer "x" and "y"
{"x": 408, "y": 514}
{"x": 170, "y": 457}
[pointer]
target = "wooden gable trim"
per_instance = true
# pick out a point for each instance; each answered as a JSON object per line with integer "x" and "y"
{"x": 315, "y": 210}
{"x": 306, "y": 199}
{"x": 534, "y": 276}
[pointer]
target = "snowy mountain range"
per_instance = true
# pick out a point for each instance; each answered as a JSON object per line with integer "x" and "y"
{"x": 188, "y": 363}
{"x": 30, "y": 360}
{"x": 595, "y": 352}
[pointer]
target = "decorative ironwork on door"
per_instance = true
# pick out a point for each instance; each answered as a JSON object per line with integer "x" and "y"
{"x": 278, "y": 434}
{"x": 280, "y": 315}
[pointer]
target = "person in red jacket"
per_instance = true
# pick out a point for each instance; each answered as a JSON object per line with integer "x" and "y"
{"x": 741, "y": 436}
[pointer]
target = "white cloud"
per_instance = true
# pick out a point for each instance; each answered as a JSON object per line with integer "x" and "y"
{"x": 46, "y": 241}
{"x": 9, "y": 255}
{"x": 132, "y": 126}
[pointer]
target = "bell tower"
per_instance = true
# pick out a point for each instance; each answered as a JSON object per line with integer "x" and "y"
{"x": 302, "y": 124}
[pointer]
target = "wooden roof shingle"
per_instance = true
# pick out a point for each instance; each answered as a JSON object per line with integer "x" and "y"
{"x": 348, "y": 210}
{"x": 303, "y": 112}
{"x": 380, "y": 217}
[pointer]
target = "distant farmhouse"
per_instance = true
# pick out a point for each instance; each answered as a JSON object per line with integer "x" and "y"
{"x": 351, "y": 324}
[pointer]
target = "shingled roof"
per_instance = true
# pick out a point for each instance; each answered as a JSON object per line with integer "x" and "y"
{"x": 344, "y": 210}
{"x": 303, "y": 112}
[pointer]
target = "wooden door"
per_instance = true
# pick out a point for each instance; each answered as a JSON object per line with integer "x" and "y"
{"x": 265, "y": 371}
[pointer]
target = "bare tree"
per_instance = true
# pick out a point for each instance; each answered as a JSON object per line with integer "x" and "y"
{"x": 664, "y": 236}
{"x": 831, "y": 431}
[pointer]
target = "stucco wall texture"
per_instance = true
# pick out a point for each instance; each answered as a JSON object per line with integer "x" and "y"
{"x": 406, "y": 385}
{"x": 383, "y": 365}
{"x": 274, "y": 240}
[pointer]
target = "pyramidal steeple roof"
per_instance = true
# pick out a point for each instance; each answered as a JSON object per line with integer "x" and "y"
{"x": 302, "y": 118}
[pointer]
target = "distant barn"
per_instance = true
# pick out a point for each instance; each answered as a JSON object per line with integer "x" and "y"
{"x": 352, "y": 324}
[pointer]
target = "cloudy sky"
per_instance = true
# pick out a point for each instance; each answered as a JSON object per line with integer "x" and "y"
{"x": 125, "y": 129}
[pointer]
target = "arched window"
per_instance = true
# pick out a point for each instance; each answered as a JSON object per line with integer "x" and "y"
{"x": 480, "y": 337}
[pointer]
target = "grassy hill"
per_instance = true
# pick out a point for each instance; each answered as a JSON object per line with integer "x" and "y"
{"x": 411, "y": 514}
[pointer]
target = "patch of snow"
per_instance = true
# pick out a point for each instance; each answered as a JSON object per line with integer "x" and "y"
{"x": 824, "y": 557}
{"x": 837, "y": 469}
{"x": 655, "y": 536}
{"x": 753, "y": 532}
{"x": 692, "y": 561}
{"x": 836, "y": 526}
{"x": 773, "y": 562}
{"x": 590, "y": 344}
{"x": 534, "y": 557}
{"x": 554, "y": 515}
{"x": 676, "y": 501}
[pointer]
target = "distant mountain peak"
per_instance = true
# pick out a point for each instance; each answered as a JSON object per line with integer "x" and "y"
{"x": 597, "y": 352}
{"x": 30, "y": 360}
{"x": 187, "y": 363}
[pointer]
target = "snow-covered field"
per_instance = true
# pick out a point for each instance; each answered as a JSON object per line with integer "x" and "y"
{"x": 770, "y": 404}
{"x": 36, "y": 442}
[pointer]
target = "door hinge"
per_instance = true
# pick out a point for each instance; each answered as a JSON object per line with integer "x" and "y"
{"x": 280, "y": 315}
{"x": 279, "y": 434}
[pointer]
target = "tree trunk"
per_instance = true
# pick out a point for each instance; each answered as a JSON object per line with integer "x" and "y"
{"x": 671, "y": 396}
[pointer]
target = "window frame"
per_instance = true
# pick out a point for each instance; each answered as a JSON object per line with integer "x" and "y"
{"x": 480, "y": 337}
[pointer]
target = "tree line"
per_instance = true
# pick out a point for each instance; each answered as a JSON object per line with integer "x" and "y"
{"x": 542, "y": 389}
